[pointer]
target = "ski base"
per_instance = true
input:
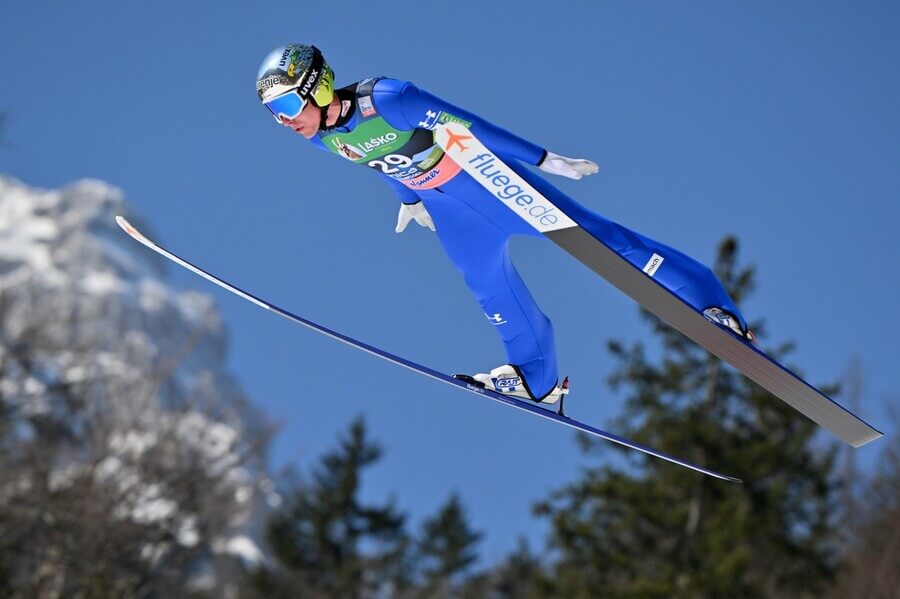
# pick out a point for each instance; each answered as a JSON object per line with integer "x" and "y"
{"x": 467, "y": 151}
{"x": 514, "y": 402}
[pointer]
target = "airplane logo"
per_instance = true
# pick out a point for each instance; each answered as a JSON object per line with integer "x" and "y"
{"x": 456, "y": 139}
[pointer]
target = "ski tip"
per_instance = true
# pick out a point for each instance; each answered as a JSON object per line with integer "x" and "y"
{"x": 126, "y": 226}
{"x": 129, "y": 228}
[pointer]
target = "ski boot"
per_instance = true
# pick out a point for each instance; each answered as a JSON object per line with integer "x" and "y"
{"x": 730, "y": 321}
{"x": 507, "y": 380}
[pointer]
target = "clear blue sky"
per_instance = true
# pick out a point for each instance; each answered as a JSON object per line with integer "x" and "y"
{"x": 777, "y": 122}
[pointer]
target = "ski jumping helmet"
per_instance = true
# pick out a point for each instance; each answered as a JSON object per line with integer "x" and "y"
{"x": 292, "y": 75}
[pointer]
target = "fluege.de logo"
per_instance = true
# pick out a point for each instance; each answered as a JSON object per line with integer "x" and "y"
{"x": 490, "y": 169}
{"x": 500, "y": 180}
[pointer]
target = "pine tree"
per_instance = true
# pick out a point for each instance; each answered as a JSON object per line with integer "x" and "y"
{"x": 648, "y": 529}
{"x": 447, "y": 547}
{"x": 871, "y": 566}
{"x": 326, "y": 541}
{"x": 520, "y": 575}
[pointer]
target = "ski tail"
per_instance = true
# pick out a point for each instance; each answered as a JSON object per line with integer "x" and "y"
{"x": 599, "y": 256}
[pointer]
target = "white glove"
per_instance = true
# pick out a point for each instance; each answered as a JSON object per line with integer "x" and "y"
{"x": 413, "y": 211}
{"x": 573, "y": 168}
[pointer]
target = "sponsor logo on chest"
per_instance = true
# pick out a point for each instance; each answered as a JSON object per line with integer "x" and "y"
{"x": 375, "y": 142}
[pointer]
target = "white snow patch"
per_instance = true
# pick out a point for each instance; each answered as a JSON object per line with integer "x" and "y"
{"x": 243, "y": 494}
{"x": 133, "y": 443}
{"x": 107, "y": 468}
{"x": 151, "y": 506}
{"x": 153, "y": 296}
{"x": 188, "y": 535}
{"x": 102, "y": 283}
{"x": 34, "y": 386}
{"x": 214, "y": 438}
{"x": 75, "y": 374}
{"x": 196, "y": 307}
{"x": 64, "y": 477}
{"x": 240, "y": 546}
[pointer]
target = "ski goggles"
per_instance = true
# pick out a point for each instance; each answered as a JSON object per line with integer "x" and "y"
{"x": 288, "y": 105}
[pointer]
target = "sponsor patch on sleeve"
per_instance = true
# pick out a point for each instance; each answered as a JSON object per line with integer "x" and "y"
{"x": 366, "y": 106}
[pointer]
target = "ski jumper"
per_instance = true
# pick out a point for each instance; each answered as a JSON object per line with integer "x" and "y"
{"x": 386, "y": 124}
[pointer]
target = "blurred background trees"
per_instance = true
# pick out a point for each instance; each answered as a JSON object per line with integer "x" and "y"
{"x": 645, "y": 529}
{"x": 132, "y": 463}
{"x": 134, "y": 466}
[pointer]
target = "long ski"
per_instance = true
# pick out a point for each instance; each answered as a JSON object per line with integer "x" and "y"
{"x": 471, "y": 154}
{"x": 440, "y": 376}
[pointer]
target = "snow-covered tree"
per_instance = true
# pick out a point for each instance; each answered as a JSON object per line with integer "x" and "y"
{"x": 132, "y": 463}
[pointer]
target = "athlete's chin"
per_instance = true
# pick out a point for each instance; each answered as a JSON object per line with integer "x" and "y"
{"x": 306, "y": 134}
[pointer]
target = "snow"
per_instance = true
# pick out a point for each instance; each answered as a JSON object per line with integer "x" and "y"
{"x": 103, "y": 307}
{"x": 150, "y": 506}
{"x": 214, "y": 438}
{"x": 153, "y": 295}
{"x": 64, "y": 476}
{"x": 100, "y": 283}
{"x": 242, "y": 494}
{"x": 188, "y": 534}
{"x": 242, "y": 547}
{"x": 133, "y": 442}
{"x": 107, "y": 468}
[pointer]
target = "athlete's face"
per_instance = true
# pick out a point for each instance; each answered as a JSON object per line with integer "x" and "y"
{"x": 306, "y": 123}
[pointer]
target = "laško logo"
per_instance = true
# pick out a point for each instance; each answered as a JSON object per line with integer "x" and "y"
{"x": 375, "y": 142}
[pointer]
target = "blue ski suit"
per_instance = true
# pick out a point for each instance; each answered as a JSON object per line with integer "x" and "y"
{"x": 386, "y": 124}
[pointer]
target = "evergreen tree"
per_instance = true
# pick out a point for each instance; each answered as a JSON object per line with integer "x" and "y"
{"x": 519, "y": 575}
{"x": 447, "y": 547}
{"x": 871, "y": 568}
{"x": 649, "y": 529}
{"x": 326, "y": 542}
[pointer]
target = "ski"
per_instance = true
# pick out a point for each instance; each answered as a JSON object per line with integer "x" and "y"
{"x": 514, "y": 402}
{"x": 472, "y": 155}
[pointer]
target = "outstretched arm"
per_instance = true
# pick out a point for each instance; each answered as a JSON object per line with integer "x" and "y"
{"x": 416, "y": 108}
{"x": 405, "y": 106}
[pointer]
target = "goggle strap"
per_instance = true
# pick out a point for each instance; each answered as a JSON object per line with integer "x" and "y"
{"x": 317, "y": 64}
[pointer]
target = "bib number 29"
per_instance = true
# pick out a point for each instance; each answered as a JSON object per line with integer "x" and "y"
{"x": 391, "y": 164}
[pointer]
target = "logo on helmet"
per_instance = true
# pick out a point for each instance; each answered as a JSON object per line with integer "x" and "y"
{"x": 271, "y": 81}
{"x": 284, "y": 57}
{"x": 309, "y": 83}
{"x": 298, "y": 62}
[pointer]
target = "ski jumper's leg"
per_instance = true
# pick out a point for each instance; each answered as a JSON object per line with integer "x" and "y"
{"x": 690, "y": 280}
{"x": 479, "y": 249}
